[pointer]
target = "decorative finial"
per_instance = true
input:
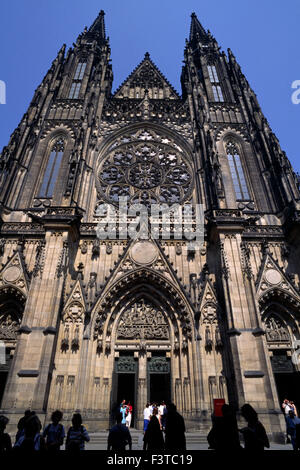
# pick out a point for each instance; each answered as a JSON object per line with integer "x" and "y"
{"x": 147, "y": 55}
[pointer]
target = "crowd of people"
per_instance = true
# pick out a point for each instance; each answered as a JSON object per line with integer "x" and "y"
{"x": 29, "y": 436}
{"x": 164, "y": 429}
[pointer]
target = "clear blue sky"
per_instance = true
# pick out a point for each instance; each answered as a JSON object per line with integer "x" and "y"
{"x": 263, "y": 34}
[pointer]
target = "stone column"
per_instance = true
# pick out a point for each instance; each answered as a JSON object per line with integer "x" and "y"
{"x": 142, "y": 389}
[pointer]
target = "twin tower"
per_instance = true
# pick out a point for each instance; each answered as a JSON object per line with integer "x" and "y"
{"x": 88, "y": 322}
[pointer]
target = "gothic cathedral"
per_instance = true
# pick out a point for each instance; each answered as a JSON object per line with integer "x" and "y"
{"x": 87, "y": 322}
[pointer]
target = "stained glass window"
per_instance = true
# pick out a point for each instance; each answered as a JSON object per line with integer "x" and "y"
{"x": 52, "y": 169}
{"x": 237, "y": 173}
{"x": 214, "y": 80}
{"x": 76, "y": 83}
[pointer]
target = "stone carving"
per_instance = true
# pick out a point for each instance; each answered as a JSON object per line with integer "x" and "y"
{"x": 126, "y": 364}
{"x": 151, "y": 169}
{"x": 276, "y": 331}
{"x": 143, "y": 252}
{"x": 9, "y": 326}
{"x": 159, "y": 364}
{"x": 143, "y": 321}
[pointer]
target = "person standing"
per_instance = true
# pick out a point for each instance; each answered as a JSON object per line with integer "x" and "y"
{"x": 119, "y": 436}
{"x": 292, "y": 421}
{"x": 31, "y": 439}
{"x": 175, "y": 429}
{"x": 54, "y": 433}
{"x": 5, "y": 440}
{"x": 153, "y": 437}
{"x": 286, "y": 409}
{"x": 254, "y": 434}
{"x": 123, "y": 411}
{"x": 77, "y": 435}
{"x": 224, "y": 435}
{"x": 129, "y": 414}
{"x": 147, "y": 414}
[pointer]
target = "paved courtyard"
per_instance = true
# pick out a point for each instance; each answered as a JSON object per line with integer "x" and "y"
{"x": 194, "y": 440}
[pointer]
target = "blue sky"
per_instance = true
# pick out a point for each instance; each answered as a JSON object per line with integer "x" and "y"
{"x": 263, "y": 34}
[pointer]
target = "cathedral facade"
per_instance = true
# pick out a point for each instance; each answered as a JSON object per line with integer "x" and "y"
{"x": 88, "y": 321}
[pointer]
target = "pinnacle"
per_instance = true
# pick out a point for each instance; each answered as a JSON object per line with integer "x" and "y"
{"x": 147, "y": 55}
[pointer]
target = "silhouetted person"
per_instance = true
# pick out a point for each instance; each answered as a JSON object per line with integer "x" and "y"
{"x": 255, "y": 435}
{"x": 21, "y": 423}
{"x": 77, "y": 435}
{"x": 54, "y": 433}
{"x": 224, "y": 434}
{"x": 175, "y": 429}
{"x": 292, "y": 422}
{"x": 5, "y": 440}
{"x": 153, "y": 437}
{"x": 31, "y": 438}
{"x": 119, "y": 436}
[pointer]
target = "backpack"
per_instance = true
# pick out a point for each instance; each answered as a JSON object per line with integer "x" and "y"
{"x": 73, "y": 445}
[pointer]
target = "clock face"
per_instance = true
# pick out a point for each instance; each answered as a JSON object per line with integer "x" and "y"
{"x": 147, "y": 168}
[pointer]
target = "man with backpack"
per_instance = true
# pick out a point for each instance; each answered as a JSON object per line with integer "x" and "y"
{"x": 54, "y": 433}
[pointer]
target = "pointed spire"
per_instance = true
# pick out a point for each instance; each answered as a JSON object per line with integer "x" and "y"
{"x": 196, "y": 28}
{"x": 98, "y": 26}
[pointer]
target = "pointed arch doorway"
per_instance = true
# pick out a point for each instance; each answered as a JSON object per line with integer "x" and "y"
{"x": 142, "y": 366}
{"x": 280, "y": 320}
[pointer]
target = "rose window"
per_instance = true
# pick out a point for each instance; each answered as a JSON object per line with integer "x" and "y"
{"x": 147, "y": 168}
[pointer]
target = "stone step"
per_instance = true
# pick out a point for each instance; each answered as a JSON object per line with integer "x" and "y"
{"x": 101, "y": 438}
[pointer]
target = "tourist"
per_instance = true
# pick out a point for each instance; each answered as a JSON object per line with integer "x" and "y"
{"x": 77, "y": 435}
{"x": 147, "y": 414}
{"x": 292, "y": 422}
{"x": 31, "y": 439}
{"x": 224, "y": 434}
{"x": 174, "y": 430}
{"x": 286, "y": 409}
{"x": 153, "y": 437}
{"x": 123, "y": 411}
{"x": 119, "y": 436}
{"x": 129, "y": 414}
{"x": 293, "y": 407}
{"x": 255, "y": 435}
{"x": 21, "y": 423}
{"x": 5, "y": 440}
{"x": 54, "y": 433}
{"x": 161, "y": 414}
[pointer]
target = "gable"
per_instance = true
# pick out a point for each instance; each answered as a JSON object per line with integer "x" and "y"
{"x": 146, "y": 76}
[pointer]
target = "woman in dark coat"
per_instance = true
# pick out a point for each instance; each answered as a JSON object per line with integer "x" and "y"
{"x": 153, "y": 438}
{"x": 175, "y": 429}
{"x": 254, "y": 434}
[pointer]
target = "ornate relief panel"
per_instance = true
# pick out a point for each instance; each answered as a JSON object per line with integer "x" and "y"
{"x": 142, "y": 320}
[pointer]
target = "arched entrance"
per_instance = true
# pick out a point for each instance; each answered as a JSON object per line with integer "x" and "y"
{"x": 142, "y": 354}
{"x": 11, "y": 311}
{"x": 281, "y": 322}
{"x": 145, "y": 335}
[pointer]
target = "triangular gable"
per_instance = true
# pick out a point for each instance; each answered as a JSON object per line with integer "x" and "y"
{"x": 133, "y": 259}
{"x": 76, "y": 304}
{"x": 15, "y": 273}
{"x": 146, "y": 76}
{"x": 208, "y": 303}
{"x": 271, "y": 276}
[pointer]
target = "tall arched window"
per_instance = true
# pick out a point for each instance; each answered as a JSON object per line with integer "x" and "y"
{"x": 215, "y": 83}
{"x": 237, "y": 173}
{"x": 77, "y": 80}
{"x": 52, "y": 169}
